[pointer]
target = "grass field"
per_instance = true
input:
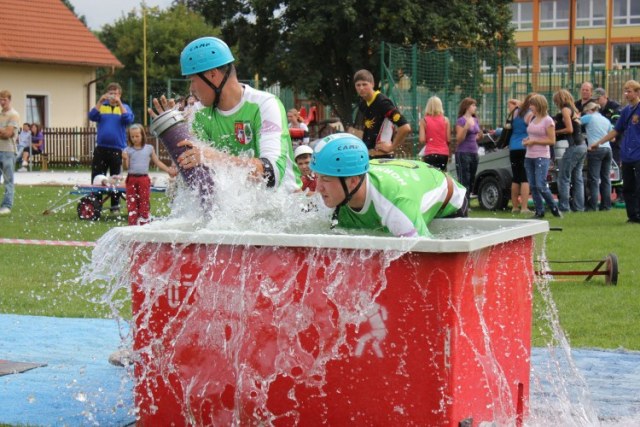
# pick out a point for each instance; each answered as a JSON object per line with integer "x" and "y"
{"x": 43, "y": 280}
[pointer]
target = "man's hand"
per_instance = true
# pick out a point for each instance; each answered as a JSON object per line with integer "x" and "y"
{"x": 385, "y": 147}
{"x": 160, "y": 106}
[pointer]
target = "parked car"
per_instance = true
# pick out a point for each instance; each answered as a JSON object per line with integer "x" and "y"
{"x": 492, "y": 185}
{"x": 493, "y": 177}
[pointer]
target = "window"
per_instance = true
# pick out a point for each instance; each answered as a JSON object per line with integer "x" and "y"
{"x": 554, "y": 14}
{"x": 522, "y": 15}
{"x": 525, "y": 60}
{"x": 35, "y": 107}
{"x": 626, "y": 12}
{"x": 555, "y": 56}
{"x": 588, "y": 56}
{"x": 590, "y": 13}
{"x": 626, "y": 55}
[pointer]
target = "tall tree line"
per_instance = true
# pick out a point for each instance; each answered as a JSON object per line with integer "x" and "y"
{"x": 315, "y": 46}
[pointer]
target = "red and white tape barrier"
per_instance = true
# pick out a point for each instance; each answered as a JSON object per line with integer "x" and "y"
{"x": 46, "y": 242}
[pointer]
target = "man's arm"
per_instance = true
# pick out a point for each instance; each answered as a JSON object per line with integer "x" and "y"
{"x": 9, "y": 131}
{"x": 401, "y": 135}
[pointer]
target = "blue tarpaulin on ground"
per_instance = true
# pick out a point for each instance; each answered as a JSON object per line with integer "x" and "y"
{"x": 78, "y": 387}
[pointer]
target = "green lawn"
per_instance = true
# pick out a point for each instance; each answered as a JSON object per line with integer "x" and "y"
{"x": 592, "y": 314}
{"x": 43, "y": 280}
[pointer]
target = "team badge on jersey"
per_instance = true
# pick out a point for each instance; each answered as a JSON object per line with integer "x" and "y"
{"x": 243, "y": 131}
{"x": 635, "y": 119}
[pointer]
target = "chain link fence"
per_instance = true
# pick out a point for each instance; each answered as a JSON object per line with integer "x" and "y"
{"x": 410, "y": 76}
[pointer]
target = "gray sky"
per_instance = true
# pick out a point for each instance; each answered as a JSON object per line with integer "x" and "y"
{"x": 100, "y": 12}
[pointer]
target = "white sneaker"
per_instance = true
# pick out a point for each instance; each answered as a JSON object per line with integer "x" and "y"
{"x": 5, "y": 211}
{"x": 23, "y": 169}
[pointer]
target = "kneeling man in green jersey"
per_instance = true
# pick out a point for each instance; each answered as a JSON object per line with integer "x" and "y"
{"x": 400, "y": 197}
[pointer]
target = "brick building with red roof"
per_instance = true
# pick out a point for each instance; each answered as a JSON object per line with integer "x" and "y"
{"x": 48, "y": 60}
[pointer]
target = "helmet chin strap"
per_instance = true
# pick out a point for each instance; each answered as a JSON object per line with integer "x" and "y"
{"x": 216, "y": 89}
{"x": 348, "y": 195}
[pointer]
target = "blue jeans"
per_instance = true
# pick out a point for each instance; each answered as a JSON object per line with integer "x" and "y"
{"x": 466, "y": 168}
{"x": 631, "y": 189}
{"x": 599, "y": 179}
{"x": 537, "y": 169}
{"x": 570, "y": 178}
{"x": 7, "y": 166}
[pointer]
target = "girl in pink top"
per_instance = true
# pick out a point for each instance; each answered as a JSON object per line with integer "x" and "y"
{"x": 434, "y": 133}
{"x": 540, "y": 136}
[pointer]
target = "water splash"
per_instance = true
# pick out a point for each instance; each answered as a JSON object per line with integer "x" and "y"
{"x": 263, "y": 329}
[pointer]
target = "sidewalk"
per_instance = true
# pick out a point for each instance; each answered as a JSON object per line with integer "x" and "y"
{"x": 71, "y": 178}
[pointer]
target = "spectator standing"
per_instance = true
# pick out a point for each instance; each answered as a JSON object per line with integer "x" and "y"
{"x": 586, "y": 94}
{"x": 9, "y": 125}
{"x": 434, "y": 131}
{"x": 404, "y": 81}
{"x": 112, "y": 117}
{"x": 540, "y": 136}
{"x": 303, "y": 158}
{"x": 611, "y": 110}
{"x": 136, "y": 158}
{"x": 517, "y": 152}
{"x": 468, "y": 134}
{"x": 628, "y": 125}
{"x": 300, "y": 132}
{"x": 399, "y": 197}
{"x": 598, "y": 158}
{"x": 380, "y": 116}
{"x": 24, "y": 142}
{"x": 37, "y": 145}
{"x": 236, "y": 119}
{"x": 570, "y": 180}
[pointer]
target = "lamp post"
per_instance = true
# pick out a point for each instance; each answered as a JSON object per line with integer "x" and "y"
{"x": 144, "y": 61}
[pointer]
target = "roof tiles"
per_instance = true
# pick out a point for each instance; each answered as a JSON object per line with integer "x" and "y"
{"x": 46, "y": 31}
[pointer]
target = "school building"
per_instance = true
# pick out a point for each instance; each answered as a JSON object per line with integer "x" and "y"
{"x": 593, "y": 34}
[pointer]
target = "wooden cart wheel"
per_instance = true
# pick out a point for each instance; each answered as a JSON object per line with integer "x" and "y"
{"x": 612, "y": 269}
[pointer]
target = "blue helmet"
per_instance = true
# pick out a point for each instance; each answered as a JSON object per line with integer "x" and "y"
{"x": 340, "y": 154}
{"x": 204, "y": 54}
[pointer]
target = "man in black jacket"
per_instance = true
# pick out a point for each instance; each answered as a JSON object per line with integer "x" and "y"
{"x": 611, "y": 110}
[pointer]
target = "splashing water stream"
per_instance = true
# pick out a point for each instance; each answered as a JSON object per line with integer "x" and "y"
{"x": 235, "y": 328}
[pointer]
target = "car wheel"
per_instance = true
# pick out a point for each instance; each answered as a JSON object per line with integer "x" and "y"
{"x": 491, "y": 195}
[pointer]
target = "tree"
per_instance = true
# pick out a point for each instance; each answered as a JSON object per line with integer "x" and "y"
{"x": 315, "y": 46}
{"x": 167, "y": 33}
{"x": 82, "y": 18}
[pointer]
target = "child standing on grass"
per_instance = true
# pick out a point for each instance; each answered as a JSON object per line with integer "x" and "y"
{"x": 136, "y": 158}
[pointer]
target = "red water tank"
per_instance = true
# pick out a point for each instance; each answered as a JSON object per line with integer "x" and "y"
{"x": 249, "y": 332}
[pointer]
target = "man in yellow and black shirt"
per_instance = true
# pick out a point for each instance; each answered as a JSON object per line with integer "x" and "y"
{"x": 381, "y": 118}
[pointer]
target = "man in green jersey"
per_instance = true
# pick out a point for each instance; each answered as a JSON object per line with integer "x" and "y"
{"x": 396, "y": 196}
{"x": 243, "y": 125}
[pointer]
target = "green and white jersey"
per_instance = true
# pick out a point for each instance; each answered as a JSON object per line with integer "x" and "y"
{"x": 256, "y": 127}
{"x": 403, "y": 196}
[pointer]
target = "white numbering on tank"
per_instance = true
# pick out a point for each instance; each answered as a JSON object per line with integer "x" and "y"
{"x": 375, "y": 317}
{"x": 173, "y": 288}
